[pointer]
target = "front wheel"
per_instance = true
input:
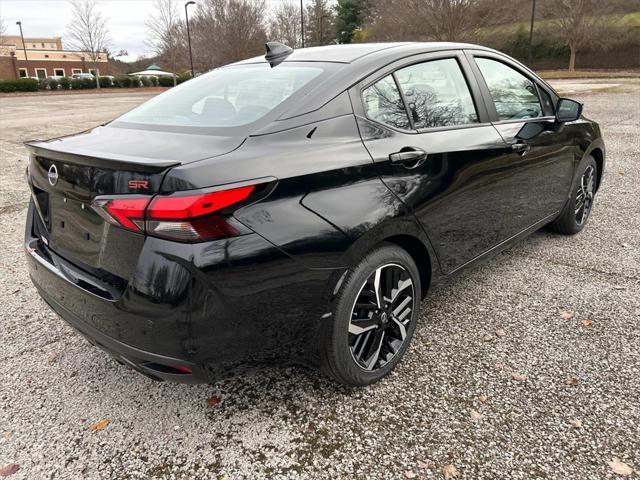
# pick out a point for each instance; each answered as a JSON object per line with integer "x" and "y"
{"x": 376, "y": 314}
{"x": 576, "y": 212}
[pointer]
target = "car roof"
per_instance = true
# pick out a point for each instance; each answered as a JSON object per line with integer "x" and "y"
{"x": 350, "y": 53}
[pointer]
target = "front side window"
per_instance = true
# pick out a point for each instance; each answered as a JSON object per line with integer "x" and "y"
{"x": 437, "y": 94}
{"x": 383, "y": 103}
{"x": 514, "y": 95}
{"x": 23, "y": 73}
{"x": 547, "y": 103}
{"x": 226, "y": 97}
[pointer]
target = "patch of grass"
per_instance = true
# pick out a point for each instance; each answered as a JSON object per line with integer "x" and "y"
{"x": 557, "y": 74}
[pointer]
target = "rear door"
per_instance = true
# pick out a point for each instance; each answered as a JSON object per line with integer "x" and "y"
{"x": 522, "y": 109}
{"x": 425, "y": 125}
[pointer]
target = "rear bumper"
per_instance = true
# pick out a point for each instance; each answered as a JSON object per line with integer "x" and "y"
{"x": 154, "y": 366}
{"x": 193, "y": 313}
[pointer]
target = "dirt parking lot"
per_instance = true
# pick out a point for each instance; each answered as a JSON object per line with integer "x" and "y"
{"x": 545, "y": 397}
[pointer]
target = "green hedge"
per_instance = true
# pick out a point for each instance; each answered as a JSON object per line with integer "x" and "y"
{"x": 106, "y": 82}
{"x": 20, "y": 85}
{"x": 165, "y": 81}
{"x": 66, "y": 83}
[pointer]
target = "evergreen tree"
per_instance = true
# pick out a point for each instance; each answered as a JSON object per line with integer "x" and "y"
{"x": 349, "y": 18}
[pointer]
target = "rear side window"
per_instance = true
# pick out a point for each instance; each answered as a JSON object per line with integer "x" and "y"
{"x": 514, "y": 95}
{"x": 437, "y": 94}
{"x": 226, "y": 97}
{"x": 383, "y": 103}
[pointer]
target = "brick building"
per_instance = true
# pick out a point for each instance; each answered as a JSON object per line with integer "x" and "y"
{"x": 45, "y": 57}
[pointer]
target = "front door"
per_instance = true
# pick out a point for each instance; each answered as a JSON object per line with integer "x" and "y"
{"x": 523, "y": 112}
{"x": 429, "y": 134}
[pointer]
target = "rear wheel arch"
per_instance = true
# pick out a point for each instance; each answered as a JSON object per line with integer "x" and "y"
{"x": 420, "y": 254}
{"x": 598, "y": 156}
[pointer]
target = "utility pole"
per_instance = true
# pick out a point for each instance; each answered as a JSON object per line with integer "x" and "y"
{"x": 533, "y": 17}
{"x": 302, "y": 22}
{"x": 186, "y": 14}
{"x": 24, "y": 47}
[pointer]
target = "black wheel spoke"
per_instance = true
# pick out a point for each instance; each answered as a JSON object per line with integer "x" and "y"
{"x": 381, "y": 316}
{"x": 584, "y": 197}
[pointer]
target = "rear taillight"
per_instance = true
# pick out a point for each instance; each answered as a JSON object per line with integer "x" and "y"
{"x": 183, "y": 216}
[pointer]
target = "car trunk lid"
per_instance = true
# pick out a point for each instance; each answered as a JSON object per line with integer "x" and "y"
{"x": 67, "y": 174}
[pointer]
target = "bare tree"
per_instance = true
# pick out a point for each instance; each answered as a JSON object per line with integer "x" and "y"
{"x": 165, "y": 32}
{"x": 224, "y": 31}
{"x": 444, "y": 20}
{"x": 580, "y": 23}
{"x": 3, "y": 29}
{"x": 88, "y": 32}
{"x": 285, "y": 24}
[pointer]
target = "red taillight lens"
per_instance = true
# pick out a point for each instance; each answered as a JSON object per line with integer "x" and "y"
{"x": 178, "y": 207}
{"x": 127, "y": 212}
{"x": 183, "y": 217}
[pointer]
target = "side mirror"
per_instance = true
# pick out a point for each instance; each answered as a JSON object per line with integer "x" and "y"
{"x": 568, "y": 110}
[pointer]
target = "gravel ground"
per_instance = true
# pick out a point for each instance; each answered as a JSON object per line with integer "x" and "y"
{"x": 496, "y": 383}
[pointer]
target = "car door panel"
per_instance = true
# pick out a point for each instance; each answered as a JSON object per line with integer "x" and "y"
{"x": 455, "y": 193}
{"x": 543, "y": 149}
{"x": 458, "y": 192}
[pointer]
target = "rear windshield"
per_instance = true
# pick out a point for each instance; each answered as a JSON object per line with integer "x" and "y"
{"x": 225, "y": 98}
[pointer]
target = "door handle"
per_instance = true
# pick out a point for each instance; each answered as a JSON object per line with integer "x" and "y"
{"x": 409, "y": 157}
{"x": 520, "y": 147}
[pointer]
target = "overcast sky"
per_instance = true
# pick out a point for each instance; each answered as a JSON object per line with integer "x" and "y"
{"x": 49, "y": 18}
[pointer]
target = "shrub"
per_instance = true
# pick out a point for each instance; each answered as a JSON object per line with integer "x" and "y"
{"x": 145, "y": 82}
{"x": 165, "y": 81}
{"x": 89, "y": 83}
{"x": 7, "y": 86}
{"x": 19, "y": 85}
{"x": 106, "y": 82}
{"x": 154, "y": 80}
{"x": 123, "y": 81}
{"x": 43, "y": 83}
{"x": 53, "y": 84}
{"x": 65, "y": 83}
{"x": 77, "y": 83}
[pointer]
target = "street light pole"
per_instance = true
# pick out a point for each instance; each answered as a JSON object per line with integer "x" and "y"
{"x": 533, "y": 17}
{"x": 302, "y": 22}
{"x": 24, "y": 47}
{"x": 186, "y": 14}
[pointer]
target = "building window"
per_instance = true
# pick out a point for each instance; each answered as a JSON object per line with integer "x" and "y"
{"x": 34, "y": 45}
{"x": 46, "y": 56}
{"x": 42, "y": 45}
{"x": 23, "y": 73}
{"x": 41, "y": 73}
{"x": 52, "y": 45}
{"x": 58, "y": 72}
{"x": 76, "y": 70}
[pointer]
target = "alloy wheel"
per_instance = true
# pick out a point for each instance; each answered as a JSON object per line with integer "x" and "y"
{"x": 381, "y": 316}
{"x": 584, "y": 198}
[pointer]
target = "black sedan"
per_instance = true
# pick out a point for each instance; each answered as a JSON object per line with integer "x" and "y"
{"x": 295, "y": 208}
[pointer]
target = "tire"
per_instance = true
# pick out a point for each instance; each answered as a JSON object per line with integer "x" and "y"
{"x": 350, "y": 346}
{"x": 573, "y": 219}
